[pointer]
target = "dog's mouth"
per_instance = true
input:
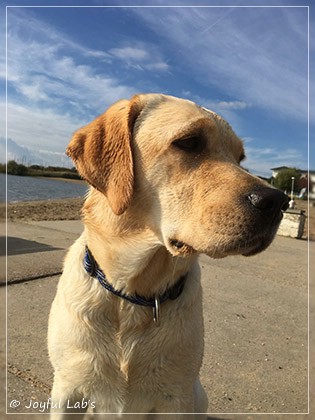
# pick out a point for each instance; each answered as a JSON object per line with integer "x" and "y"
{"x": 259, "y": 242}
{"x": 249, "y": 243}
{"x": 257, "y": 245}
{"x": 247, "y": 247}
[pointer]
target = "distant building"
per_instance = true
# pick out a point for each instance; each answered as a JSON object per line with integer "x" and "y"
{"x": 307, "y": 177}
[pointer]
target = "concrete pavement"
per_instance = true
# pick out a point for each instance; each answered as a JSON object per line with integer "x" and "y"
{"x": 256, "y": 323}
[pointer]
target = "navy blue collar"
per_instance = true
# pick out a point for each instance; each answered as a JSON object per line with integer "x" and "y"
{"x": 92, "y": 268}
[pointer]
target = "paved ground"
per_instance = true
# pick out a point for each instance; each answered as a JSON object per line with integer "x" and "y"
{"x": 256, "y": 322}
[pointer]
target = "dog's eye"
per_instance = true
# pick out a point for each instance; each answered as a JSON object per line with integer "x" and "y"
{"x": 189, "y": 144}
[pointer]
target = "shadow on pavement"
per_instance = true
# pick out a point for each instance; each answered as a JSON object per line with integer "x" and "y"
{"x": 214, "y": 418}
{"x": 18, "y": 246}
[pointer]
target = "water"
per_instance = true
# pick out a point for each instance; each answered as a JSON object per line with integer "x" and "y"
{"x": 24, "y": 188}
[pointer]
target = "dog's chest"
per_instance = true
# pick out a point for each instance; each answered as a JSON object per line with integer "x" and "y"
{"x": 144, "y": 356}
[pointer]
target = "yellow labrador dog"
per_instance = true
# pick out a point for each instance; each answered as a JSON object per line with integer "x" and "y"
{"x": 126, "y": 325}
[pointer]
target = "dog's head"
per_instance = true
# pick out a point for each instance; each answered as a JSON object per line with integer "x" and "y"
{"x": 179, "y": 165}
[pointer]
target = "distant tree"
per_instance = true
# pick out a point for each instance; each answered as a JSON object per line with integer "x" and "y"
{"x": 283, "y": 180}
{"x": 14, "y": 168}
{"x": 38, "y": 167}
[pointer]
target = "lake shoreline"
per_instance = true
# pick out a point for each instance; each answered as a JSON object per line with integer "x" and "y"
{"x": 37, "y": 210}
{"x": 58, "y": 178}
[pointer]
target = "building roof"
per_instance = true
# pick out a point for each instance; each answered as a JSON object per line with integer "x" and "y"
{"x": 303, "y": 171}
{"x": 279, "y": 167}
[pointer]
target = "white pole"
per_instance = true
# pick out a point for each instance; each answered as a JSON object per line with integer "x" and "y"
{"x": 292, "y": 187}
{"x": 292, "y": 202}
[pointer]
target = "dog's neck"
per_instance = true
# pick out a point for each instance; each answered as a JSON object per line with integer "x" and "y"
{"x": 132, "y": 256}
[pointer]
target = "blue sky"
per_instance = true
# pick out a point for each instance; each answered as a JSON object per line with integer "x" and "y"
{"x": 66, "y": 65}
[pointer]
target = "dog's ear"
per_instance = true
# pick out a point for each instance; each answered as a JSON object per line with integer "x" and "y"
{"x": 102, "y": 152}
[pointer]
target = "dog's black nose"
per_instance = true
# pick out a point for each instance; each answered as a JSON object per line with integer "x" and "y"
{"x": 268, "y": 200}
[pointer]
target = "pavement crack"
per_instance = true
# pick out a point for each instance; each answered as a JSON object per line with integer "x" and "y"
{"x": 26, "y": 376}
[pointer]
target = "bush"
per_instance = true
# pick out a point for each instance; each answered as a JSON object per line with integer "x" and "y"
{"x": 37, "y": 167}
{"x": 283, "y": 180}
{"x": 14, "y": 168}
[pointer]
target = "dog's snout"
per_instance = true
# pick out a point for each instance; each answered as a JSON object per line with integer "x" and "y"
{"x": 268, "y": 200}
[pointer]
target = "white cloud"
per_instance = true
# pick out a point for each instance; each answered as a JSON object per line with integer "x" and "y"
{"x": 232, "y": 105}
{"x": 158, "y": 66}
{"x": 215, "y": 105}
{"x": 247, "y": 139}
{"x": 141, "y": 56}
{"x": 130, "y": 53}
